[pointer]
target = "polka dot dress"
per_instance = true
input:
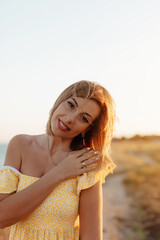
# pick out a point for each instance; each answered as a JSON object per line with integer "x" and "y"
{"x": 56, "y": 218}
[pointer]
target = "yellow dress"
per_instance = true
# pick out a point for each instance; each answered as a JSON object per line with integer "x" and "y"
{"x": 56, "y": 218}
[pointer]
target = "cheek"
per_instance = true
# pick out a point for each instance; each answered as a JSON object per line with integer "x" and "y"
{"x": 59, "y": 110}
{"x": 79, "y": 128}
{"x": 62, "y": 107}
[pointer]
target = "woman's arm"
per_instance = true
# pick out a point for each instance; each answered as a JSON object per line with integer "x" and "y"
{"x": 18, "y": 205}
{"x": 90, "y": 213}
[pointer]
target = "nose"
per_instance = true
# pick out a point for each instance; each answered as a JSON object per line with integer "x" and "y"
{"x": 70, "y": 118}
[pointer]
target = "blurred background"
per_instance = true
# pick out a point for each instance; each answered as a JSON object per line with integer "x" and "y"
{"x": 46, "y": 46}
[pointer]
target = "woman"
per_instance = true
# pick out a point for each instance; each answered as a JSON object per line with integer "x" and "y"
{"x": 51, "y": 184}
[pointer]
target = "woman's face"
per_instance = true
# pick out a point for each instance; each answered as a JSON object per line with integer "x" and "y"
{"x": 74, "y": 116}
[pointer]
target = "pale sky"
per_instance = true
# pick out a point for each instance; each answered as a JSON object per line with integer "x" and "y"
{"x": 47, "y": 45}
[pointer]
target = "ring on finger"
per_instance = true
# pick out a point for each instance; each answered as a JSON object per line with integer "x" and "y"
{"x": 83, "y": 164}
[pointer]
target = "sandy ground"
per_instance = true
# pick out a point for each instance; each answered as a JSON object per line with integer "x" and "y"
{"x": 117, "y": 209}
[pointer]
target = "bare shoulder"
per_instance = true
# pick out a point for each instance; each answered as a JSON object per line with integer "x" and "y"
{"x": 20, "y": 141}
{"x": 16, "y": 145}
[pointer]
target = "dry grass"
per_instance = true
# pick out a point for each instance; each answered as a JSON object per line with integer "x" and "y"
{"x": 142, "y": 174}
{"x": 142, "y": 180}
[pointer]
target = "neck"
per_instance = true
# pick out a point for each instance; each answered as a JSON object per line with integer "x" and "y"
{"x": 59, "y": 144}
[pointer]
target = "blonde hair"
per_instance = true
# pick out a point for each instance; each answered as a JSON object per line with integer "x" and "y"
{"x": 100, "y": 132}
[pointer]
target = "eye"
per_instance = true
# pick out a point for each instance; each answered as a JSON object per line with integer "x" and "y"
{"x": 85, "y": 119}
{"x": 70, "y": 104}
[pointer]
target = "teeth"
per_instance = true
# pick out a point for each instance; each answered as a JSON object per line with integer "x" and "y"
{"x": 62, "y": 125}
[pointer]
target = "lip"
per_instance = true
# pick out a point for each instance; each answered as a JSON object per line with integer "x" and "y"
{"x": 63, "y": 124}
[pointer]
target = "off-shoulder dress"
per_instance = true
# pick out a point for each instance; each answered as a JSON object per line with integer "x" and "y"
{"x": 56, "y": 218}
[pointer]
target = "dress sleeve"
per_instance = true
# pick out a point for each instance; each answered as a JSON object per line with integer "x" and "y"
{"x": 89, "y": 179}
{"x": 8, "y": 180}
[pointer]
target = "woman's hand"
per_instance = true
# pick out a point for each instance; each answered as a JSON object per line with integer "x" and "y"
{"x": 76, "y": 163}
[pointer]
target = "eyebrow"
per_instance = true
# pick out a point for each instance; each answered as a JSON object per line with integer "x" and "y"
{"x": 83, "y": 112}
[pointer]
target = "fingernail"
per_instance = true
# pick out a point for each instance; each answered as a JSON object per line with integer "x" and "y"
{"x": 88, "y": 148}
{"x": 97, "y": 158}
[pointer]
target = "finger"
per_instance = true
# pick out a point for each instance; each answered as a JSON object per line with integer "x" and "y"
{"x": 79, "y": 153}
{"x": 90, "y": 161}
{"x": 88, "y": 155}
{"x": 88, "y": 169}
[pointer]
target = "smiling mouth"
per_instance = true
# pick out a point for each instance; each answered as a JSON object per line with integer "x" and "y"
{"x": 62, "y": 126}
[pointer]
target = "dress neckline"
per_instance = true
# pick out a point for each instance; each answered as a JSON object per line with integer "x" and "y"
{"x": 28, "y": 175}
